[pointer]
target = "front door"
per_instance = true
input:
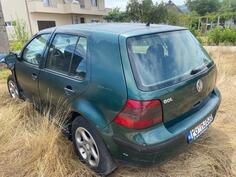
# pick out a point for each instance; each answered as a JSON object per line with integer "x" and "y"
{"x": 82, "y": 20}
{"x": 27, "y": 68}
{"x": 64, "y": 77}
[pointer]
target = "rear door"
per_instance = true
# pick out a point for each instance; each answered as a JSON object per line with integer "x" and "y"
{"x": 27, "y": 68}
{"x": 65, "y": 75}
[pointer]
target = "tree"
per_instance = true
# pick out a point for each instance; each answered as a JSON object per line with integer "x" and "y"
{"x": 160, "y": 13}
{"x": 134, "y": 11}
{"x": 116, "y": 16}
{"x": 228, "y": 5}
{"x": 145, "y": 11}
{"x": 202, "y": 7}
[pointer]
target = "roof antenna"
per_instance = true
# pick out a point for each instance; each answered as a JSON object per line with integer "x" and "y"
{"x": 149, "y": 22}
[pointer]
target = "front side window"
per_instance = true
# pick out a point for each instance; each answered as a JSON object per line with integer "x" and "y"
{"x": 160, "y": 60}
{"x": 61, "y": 52}
{"x": 34, "y": 50}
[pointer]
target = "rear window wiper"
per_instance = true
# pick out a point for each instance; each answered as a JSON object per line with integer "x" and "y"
{"x": 198, "y": 69}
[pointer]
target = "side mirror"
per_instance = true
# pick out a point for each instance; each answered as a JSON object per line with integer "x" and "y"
{"x": 2, "y": 58}
{"x": 9, "y": 59}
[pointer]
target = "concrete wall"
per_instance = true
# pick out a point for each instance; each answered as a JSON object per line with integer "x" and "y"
{"x": 31, "y": 11}
{"x": 15, "y": 9}
{"x": 4, "y": 46}
{"x": 58, "y": 18}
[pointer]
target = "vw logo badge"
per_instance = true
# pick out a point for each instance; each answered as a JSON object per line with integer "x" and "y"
{"x": 199, "y": 85}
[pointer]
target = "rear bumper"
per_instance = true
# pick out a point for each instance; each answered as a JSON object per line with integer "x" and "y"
{"x": 159, "y": 143}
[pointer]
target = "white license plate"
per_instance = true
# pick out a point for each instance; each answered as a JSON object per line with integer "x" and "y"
{"x": 200, "y": 129}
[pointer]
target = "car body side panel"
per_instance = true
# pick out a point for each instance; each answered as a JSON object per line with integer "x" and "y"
{"x": 24, "y": 72}
{"x": 107, "y": 93}
{"x": 102, "y": 96}
{"x": 90, "y": 112}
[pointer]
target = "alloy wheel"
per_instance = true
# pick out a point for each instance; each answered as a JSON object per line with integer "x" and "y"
{"x": 87, "y": 147}
{"x": 13, "y": 89}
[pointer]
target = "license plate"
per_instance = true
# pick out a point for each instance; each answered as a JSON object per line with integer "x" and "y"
{"x": 200, "y": 129}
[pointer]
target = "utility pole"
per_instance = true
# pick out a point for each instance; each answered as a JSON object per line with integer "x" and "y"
{"x": 4, "y": 44}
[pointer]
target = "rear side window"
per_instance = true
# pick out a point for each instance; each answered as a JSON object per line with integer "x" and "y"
{"x": 34, "y": 50}
{"x": 61, "y": 52}
{"x": 79, "y": 63}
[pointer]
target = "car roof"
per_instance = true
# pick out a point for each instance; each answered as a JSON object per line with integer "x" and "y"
{"x": 125, "y": 29}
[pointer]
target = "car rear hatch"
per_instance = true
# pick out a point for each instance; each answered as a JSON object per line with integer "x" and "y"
{"x": 175, "y": 65}
{"x": 188, "y": 96}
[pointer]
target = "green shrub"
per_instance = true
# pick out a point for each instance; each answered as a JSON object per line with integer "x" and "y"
{"x": 16, "y": 45}
{"x": 228, "y": 36}
{"x": 20, "y": 35}
{"x": 225, "y": 36}
{"x": 214, "y": 36}
{"x": 197, "y": 34}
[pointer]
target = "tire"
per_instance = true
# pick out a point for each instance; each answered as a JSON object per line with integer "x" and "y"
{"x": 89, "y": 145}
{"x": 12, "y": 87}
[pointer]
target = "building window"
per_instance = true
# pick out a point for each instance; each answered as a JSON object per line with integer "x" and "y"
{"x": 94, "y": 3}
{"x": 95, "y": 21}
{"x": 46, "y": 2}
{"x": 75, "y": 2}
{"x": 76, "y": 20}
{"x": 10, "y": 23}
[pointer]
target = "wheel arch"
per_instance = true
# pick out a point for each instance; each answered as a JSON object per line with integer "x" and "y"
{"x": 88, "y": 111}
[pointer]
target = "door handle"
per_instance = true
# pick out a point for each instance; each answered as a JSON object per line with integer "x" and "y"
{"x": 34, "y": 76}
{"x": 68, "y": 90}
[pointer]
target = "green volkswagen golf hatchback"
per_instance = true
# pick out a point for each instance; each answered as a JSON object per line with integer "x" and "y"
{"x": 137, "y": 93}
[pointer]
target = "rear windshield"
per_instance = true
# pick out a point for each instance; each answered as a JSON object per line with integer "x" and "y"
{"x": 163, "y": 59}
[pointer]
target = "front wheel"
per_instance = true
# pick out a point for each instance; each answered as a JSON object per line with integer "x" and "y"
{"x": 90, "y": 147}
{"x": 12, "y": 87}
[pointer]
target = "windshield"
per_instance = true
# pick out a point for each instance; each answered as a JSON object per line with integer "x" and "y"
{"x": 160, "y": 60}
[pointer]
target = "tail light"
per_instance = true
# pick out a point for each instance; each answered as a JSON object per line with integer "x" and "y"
{"x": 140, "y": 114}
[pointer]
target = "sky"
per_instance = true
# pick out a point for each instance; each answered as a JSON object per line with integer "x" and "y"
{"x": 122, "y": 3}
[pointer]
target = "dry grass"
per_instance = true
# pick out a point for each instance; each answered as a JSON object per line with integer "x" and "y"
{"x": 31, "y": 146}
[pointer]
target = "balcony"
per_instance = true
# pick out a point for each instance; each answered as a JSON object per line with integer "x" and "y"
{"x": 65, "y": 8}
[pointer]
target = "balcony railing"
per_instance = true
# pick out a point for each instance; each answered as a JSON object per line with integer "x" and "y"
{"x": 66, "y": 8}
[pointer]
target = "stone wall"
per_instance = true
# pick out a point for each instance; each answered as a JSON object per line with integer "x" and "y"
{"x": 4, "y": 44}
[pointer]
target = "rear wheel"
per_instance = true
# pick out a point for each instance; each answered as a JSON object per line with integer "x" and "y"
{"x": 12, "y": 87}
{"x": 90, "y": 147}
